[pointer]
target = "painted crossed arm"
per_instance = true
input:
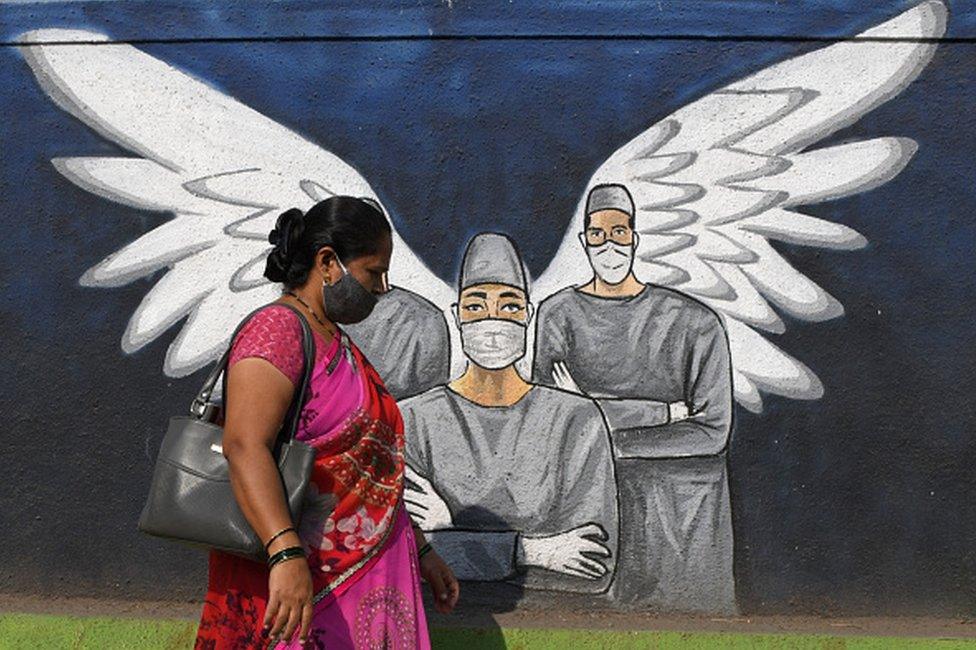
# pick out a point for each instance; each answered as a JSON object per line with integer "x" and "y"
{"x": 485, "y": 555}
{"x": 705, "y": 428}
{"x": 698, "y": 425}
{"x": 643, "y": 412}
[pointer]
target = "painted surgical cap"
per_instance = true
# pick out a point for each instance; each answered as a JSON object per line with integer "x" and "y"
{"x": 492, "y": 258}
{"x": 610, "y": 197}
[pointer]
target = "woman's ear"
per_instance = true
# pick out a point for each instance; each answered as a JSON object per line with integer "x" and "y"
{"x": 325, "y": 262}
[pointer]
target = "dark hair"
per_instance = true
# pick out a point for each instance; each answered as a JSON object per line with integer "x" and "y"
{"x": 352, "y": 227}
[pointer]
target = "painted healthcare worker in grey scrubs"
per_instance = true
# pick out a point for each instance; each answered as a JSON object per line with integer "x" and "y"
{"x": 406, "y": 340}
{"x": 514, "y": 481}
{"x": 657, "y": 362}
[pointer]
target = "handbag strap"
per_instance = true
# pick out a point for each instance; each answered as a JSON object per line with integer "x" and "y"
{"x": 200, "y": 403}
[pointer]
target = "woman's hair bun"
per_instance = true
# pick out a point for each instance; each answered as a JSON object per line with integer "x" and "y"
{"x": 286, "y": 238}
{"x": 352, "y": 227}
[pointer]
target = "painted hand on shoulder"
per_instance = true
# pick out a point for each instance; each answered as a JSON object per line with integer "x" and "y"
{"x": 567, "y": 552}
{"x": 564, "y": 380}
{"x": 426, "y": 508}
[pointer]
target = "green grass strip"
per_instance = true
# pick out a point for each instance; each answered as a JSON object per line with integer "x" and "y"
{"x": 35, "y": 631}
{"x": 541, "y": 639}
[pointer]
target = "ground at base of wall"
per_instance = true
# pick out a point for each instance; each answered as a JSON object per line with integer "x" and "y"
{"x": 81, "y": 623}
{"x": 475, "y": 615}
{"x": 18, "y": 630}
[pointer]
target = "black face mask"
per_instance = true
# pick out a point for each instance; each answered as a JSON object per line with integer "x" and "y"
{"x": 347, "y": 301}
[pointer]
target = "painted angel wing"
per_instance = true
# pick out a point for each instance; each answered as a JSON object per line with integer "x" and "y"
{"x": 719, "y": 178}
{"x": 224, "y": 170}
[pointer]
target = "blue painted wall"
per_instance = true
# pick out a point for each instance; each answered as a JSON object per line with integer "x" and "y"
{"x": 860, "y": 502}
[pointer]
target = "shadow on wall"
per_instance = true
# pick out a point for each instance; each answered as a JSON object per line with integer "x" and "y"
{"x": 475, "y": 612}
{"x": 479, "y": 603}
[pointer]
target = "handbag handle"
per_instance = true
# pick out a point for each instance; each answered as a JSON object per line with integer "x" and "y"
{"x": 201, "y": 403}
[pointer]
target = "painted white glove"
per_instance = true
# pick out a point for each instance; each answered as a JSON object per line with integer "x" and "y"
{"x": 563, "y": 552}
{"x": 562, "y": 378}
{"x": 678, "y": 411}
{"x": 427, "y": 509}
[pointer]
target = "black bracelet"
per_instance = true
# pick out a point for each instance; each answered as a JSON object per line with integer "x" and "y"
{"x": 276, "y": 536}
{"x": 424, "y": 550}
{"x": 286, "y": 554}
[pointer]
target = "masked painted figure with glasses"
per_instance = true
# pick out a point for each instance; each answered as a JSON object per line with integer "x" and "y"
{"x": 657, "y": 363}
{"x": 513, "y": 481}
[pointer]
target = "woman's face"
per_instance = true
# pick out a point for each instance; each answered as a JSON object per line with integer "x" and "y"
{"x": 370, "y": 270}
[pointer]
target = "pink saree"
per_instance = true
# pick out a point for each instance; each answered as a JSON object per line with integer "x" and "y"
{"x": 355, "y": 530}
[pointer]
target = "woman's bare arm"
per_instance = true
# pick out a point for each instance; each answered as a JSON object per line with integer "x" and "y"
{"x": 438, "y": 575}
{"x": 258, "y": 395}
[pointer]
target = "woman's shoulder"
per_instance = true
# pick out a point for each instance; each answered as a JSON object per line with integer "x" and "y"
{"x": 274, "y": 323}
{"x": 275, "y": 315}
{"x": 273, "y": 333}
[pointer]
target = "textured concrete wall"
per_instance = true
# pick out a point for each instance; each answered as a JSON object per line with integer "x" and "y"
{"x": 801, "y": 175}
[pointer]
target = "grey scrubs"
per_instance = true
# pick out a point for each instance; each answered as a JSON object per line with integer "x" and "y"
{"x": 407, "y": 341}
{"x": 634, "y": 355}
{"x": 539, "y": 467}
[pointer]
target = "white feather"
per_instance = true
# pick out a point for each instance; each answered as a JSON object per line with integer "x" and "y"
{"x": 847, "y": 79}
{"x": 796, "y": 228}
{"x": 164, "y": 245}
{"x": 835, "y": 172}
{"x": 745, "y": 392}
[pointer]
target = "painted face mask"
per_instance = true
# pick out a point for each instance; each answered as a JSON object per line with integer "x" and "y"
{"x": 347, "y": 301}
{"x": 493, "y": 343}
{"x": 611, "y": 261}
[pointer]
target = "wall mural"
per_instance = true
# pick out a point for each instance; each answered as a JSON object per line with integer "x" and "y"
{"x": 599, "y": 466}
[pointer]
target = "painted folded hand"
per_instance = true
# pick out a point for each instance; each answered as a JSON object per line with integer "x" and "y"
{"x": 574, "y": 551}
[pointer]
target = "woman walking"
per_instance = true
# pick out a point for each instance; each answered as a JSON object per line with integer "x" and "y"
{"x": 348, "y": 576}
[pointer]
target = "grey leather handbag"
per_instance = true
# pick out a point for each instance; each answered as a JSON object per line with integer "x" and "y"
{"x": 190, "y": 497}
